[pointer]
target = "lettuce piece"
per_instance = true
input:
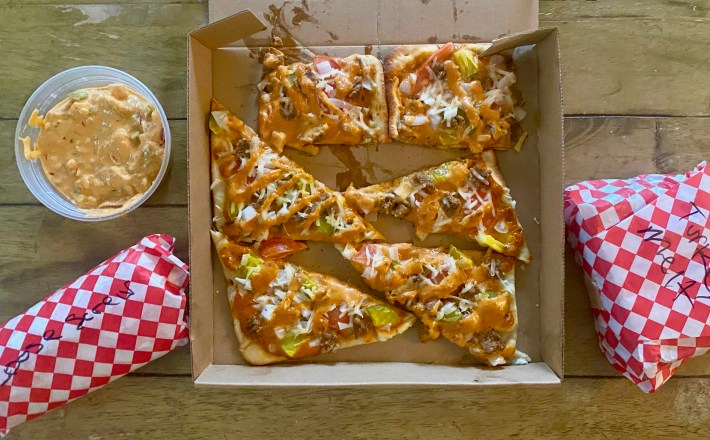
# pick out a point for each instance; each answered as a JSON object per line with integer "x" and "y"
{"x": 440, "y": 173}
{"x": 291, "y": 342}
{"x": 466, "y": 62}
{"x": 382, "y": 315}
{"x": 448, "y": 136}
{"x": 491, "y": 242}
{"x": 452, "y": 316}
{"x": 250, "y": 264}
{"x": 309, "y": 288}
{"x": 461, "y": 259}
{"x": 218, "y": 121}
{"x": 325, "y": 227}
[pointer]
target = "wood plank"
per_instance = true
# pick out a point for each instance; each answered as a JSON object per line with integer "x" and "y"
{"x": 145, "y": 40}
{"x": 172, "y": 191}
{"x": 88, "y": 2}
{"x": 598, "y": 148}
{"x": 43, "y": 251}
{"x": 682, "y": 144}
{"x": 625, "y": 10}
{"x": 630, "y": 57}
{"x": 144, "y": 408}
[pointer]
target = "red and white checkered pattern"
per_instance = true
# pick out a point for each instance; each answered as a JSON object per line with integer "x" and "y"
{"x": 119, "y": 316}
{"x": 644, "y": 244}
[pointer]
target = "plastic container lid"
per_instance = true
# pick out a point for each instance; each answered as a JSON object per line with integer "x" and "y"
{"x": 53, "y": 91}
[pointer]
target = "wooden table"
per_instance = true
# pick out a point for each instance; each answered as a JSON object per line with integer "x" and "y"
{"x": 637, "y": 99}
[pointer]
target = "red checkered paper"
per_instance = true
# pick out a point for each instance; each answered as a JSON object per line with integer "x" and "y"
{"x": 644, "y": 245}
{"x": 119, "y": 316}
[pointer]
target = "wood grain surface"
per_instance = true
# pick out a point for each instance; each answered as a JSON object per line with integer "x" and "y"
{"x": 637, "y": 100}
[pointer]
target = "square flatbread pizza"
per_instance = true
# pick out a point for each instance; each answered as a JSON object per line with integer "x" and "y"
{"x": 329, "y": 101}
{"x": 451, "y": 97}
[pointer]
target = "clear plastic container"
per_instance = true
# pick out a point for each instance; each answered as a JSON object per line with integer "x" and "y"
{"x": 53, "y": 91}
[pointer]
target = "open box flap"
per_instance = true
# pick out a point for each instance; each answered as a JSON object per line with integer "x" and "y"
{"x": 363, "y": 22}
{"x": 524, "y": 38}
{"x": 228, "y": 30}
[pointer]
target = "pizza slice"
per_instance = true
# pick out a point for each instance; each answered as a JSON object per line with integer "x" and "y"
{"x": 282, "y": 311}
{"x": 259, "y": 193}
{"x": 328, "y": 101}
{"x": 466, "y": 197}
{"x": 468, "y": 297}
{"x": 449, "y": 96}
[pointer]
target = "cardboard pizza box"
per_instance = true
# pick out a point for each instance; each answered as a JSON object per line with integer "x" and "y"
{"x": 223, "y": 64}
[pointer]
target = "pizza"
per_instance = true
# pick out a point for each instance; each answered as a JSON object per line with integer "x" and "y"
{"x": 449, "y": 96}
{"x": 282, "y": 311}
{"x": 258, "y": 193}
{"x": 466, "y": 197}
{"x": 468, "y": 297}
{"x": 326, "y": 102}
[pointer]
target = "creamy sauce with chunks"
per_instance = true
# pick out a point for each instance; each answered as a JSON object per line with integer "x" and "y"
{"x": 100, "y": 147}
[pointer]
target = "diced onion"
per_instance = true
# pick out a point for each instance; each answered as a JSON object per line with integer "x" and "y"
{"x": 519, "y": 113}
{"x": 341, "y": 104}
{"x": 434, "y": 121}
{"x": 507, "y": 80}
{"x": 415, "y": 120}
{"x": 404, "y": 189}
{"x": 248, "y": 213}
{"x": 366, "y": 84}
{"x": 501, "y": 227}
{"x": 405, "y": 87}
{"x": 324, "y": 67}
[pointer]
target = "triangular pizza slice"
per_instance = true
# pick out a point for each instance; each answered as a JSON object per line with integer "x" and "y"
{"x": 468, "y": 297}
{"x": 258, "y": 193}
{"x": 466, "y": 197}
{"x": 282, "y": 311}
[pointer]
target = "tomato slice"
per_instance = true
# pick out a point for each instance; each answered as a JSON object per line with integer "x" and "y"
{"x": 442, "y": 53}
{"x": 361, "y": 256}
{"x": 322, "y": 58}
{"x": 334, "y": 318}
{"x": 279, "y": 247}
